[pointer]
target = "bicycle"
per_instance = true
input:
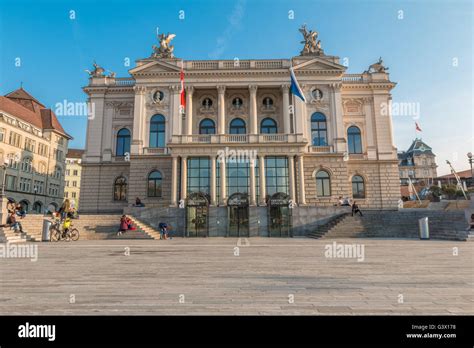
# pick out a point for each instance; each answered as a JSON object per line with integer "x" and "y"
{"x": 57, "y": 233}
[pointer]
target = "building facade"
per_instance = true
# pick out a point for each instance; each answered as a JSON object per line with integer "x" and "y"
{"x": 72, "y": 179}
{"x": 33, "y": 146}
{"x": 337, "y": 143}
{"x": 417, "y": 163}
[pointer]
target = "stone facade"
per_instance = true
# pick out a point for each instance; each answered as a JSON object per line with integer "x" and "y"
{"x": 253, "y": 91}
{"x": 72, "y": 188}
{"x": 417, "y": 163}
{"x": 33, "y": 146}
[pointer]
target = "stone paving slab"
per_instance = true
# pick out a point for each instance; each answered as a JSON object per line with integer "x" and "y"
{"x": 261, "y": 280}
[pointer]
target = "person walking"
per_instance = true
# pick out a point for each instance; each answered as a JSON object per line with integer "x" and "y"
{"x": 123, "y": 225}
{"x": 356, "y": 209}
{"x": 163, "y": 230}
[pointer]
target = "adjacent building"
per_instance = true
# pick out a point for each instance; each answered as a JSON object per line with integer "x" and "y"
{"x": 72, "y": 186}
{"x": 242, "y": 141}
{"x": 417, "y": 163}
{"x": 33, "y": 145}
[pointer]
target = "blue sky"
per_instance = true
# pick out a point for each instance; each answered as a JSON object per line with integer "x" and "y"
{"x": 419, "y": 49}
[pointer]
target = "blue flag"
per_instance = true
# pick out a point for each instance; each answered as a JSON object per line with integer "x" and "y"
{"x": 295, "y": 87}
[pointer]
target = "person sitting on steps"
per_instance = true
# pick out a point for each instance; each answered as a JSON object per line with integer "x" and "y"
{"x": 356, "y": 209}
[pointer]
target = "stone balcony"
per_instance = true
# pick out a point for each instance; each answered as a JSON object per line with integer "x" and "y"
{"x": 238, "y": 138}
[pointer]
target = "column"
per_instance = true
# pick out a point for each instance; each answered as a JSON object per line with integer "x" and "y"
{"x": 253, "y": 192}
{"x": 285, "y": 90}
{"x": 174, "y": 182}
{"x": 222, "y": 166}
{"x": 340, "y": 140}
{"x": 221, "y": 109}
{"x": 213, "y": 181}
{"x": 175, "y": 116}
{"x": 184, "y": 177}
{"x": 253, "y": 109}
{"x": 299, "y": 115}
{"x": 189, "y": 109}
{"x": 291, "y": 175}
{"x": 138, "y": 121}
{"x": 302, "y": 193}
{"x": 107, "y": 143}
{"x": 369, "y": 129}
{"x": 263, "y": 188}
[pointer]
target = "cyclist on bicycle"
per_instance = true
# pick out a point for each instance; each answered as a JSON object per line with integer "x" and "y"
{"x": 66, "y": 225}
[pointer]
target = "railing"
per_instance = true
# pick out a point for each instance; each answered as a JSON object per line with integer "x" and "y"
{"x": 353, "y": 78}
{"x": 237, "y": 138}
{"x": 124, "y": 81}
{"x": 274, "y": 137}
{"x": 155, "y": 150}
{"x": 321, "y": 149}
{"x": 237, "y": 64}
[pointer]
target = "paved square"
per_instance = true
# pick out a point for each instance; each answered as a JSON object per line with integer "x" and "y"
{"x": 204, "y": 276}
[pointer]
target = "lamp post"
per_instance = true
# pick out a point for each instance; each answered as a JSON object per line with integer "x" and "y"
{"x": 35, "y": 189}
{"x": 469, "y": 156}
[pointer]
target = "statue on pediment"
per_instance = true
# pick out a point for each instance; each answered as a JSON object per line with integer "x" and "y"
{"x": 97, "y": 72}
{"x": 312, "y": 46}
{"x": 165, "y": 50}
{"x": 377, "y": 67}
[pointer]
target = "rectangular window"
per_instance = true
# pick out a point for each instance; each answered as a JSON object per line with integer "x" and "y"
{"x": 30, "y": 145}
{"x": 237, "y": 177}
{"x": 15, "y": 139}
{"x": 199, "y": 173}
{"x": 3, "y": 133}
{"x": 74, "y": 184}
{"x": 276, "y": 175}
{"x": 73, "y": 194}
{"x": 74, "y": 173}
{"x": 10, "y": 182}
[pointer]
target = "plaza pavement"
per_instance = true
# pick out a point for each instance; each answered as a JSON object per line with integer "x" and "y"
{"x": 203, "y": 276}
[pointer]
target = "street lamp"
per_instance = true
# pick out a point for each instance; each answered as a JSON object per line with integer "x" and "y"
{"x": 469, "y": 155}
{"x": 35, "y": 189}
{"x": 4, "y": 176}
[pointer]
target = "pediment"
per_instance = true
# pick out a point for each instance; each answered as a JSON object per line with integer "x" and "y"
{"x": 156, "y": 66}
{"x": 316, "y": 63}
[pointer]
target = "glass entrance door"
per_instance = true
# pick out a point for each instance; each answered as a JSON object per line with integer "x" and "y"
{"x": 238, "y": 221}
{"x": 279, "y": 215}
{"x": 197, "y": 221}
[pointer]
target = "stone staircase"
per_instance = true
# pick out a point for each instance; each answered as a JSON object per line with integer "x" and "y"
{"x": 446, "y": 225}
{"x": 147, "y": 229}
{"x": 7, "y": 235}
{"x": 90, "y": 226}
{"x": 321, "y": 230}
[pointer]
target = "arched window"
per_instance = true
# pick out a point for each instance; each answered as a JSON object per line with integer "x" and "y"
{"x": 268, "y": 126}
{"x": 120, "y": 189}
{"x": 207, "y": 126}
{"x": 319, "y": 129}
{"x": 154, "y": 184}
{"x": 354, "y": 140}
{"x": 237, "y": 126}
{"x": 123, "y": 142}
{"x": 157, "y": 131}
{"x": 323, "y": 184}
{"x": 358, "y": 187}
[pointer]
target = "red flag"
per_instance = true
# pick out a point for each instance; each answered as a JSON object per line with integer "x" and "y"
{"x": 417, "y": 127}
{"x": 182, "y": 104}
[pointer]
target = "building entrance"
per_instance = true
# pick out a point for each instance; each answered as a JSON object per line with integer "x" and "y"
{"x": 197, "y": 215}
{"x": 238, "y": 215}
{"x": 279, "y": 215}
